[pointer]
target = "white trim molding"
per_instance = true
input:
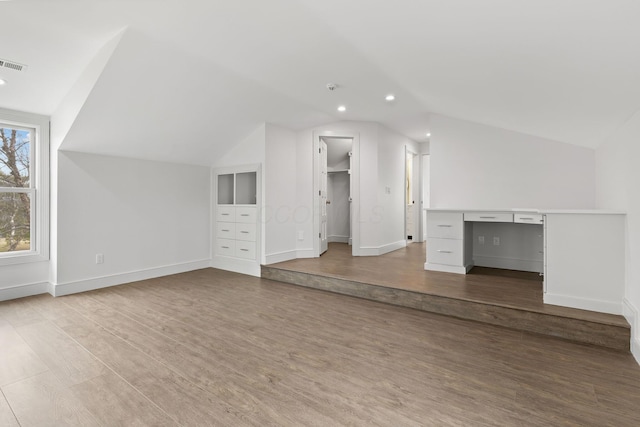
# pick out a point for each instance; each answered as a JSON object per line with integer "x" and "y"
{"x": 381, "y": 250}
{"x": 630, "y": 312}
{"x": 281, "y": 257}
{"x": 610, "y": 307}
{"x": 21, "y": 291}
{"x": 60, "y": 289}
{"x": 237, "y": 265}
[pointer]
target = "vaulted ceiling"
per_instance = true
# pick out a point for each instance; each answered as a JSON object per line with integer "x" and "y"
{"x": 189, "y": 78}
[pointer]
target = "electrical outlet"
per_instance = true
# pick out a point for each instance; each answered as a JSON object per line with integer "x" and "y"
{"x": 99, "y": 259}
{"x": 481, "y": 240}
{"x": 300, "y": 235}
{"x": 496, "y": 241}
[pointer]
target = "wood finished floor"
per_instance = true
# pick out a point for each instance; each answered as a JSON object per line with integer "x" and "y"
{"x": 404, "y": 269}
{"x": 217, "y": 348}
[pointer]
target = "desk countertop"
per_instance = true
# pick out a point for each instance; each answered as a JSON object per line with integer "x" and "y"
{"x": 531, "y": 210}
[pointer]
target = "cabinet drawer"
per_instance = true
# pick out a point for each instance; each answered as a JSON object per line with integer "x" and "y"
{"x": 444, "y": 251}
{"x": 525, "y": 218}
{"x": 246, "y": 249}
{"x": 226, "y": 230}
{"x": 225, "y": 213}
{"x": 488, "y": 217}
{"x": 246, "y": 214}
{"x": 226, "y": 247}
{"x": 246, "y": 232}
{"x": 444, "y": 225}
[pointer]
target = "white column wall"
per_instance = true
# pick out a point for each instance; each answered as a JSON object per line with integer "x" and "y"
{"x": 280, "y": 194}
{"x": 618, "y": 175}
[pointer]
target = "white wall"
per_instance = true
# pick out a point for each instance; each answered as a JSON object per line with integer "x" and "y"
{"x": 478, "y": 166}
{"x": 250, "y": 150}
{"x": 391, "y": 173}
{"x": 618, "y": 175}
{"x": 280, "y": 194}
{"x": 147, "y": 218}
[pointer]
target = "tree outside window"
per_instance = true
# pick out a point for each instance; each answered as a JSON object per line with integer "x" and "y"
{"x": 15, "y": 188}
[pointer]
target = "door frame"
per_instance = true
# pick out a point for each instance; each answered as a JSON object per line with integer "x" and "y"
{"x": 416, "y": 188}
{"x": 355, "y": 187}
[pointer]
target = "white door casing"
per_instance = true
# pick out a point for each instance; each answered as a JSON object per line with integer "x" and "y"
{"x": 322, "y": 197}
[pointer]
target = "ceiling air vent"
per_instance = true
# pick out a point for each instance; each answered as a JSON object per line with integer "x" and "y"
{"x": 12, "y": 65}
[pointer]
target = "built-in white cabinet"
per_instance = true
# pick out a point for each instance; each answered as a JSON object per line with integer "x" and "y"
{"x": 447, "y": 243}
{"x": 580, "y": 253}
{"x": 236, "y": 239}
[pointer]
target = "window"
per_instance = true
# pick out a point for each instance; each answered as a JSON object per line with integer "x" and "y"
{"x": 23, "y": 188}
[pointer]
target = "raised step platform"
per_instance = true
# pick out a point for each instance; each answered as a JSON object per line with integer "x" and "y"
{"x": 572, "y": 324}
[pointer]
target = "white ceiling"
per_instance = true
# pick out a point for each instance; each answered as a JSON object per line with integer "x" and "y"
{"x": 192, "y": 77}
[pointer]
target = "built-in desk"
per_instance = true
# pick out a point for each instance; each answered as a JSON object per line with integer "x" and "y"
{"x": 579, "y": 252}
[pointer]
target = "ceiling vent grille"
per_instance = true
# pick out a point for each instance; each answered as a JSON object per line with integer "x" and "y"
{"x": 12, "y": 65}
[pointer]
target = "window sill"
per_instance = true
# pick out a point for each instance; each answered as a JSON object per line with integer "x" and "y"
{"x": 25, "y": 257}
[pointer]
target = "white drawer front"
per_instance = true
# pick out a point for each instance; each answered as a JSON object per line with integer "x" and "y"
{"x": 445, "y": 225}
{"x": 444, "y": 251}
{"x": 525, "y": 218}
{"x": 246, "y": 249}
{"x": 246, "y": 214}
{"x": 226, "y": 247}
{"x": 488, "y": 217}
{"x": 246, "y": 232}
{"x": 226, "y": 230}
{"x": 225, "y": 213}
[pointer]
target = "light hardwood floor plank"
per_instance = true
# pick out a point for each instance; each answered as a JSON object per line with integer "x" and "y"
{"x": 17, "y": 360}
{"x": 7, "y": 418}
{"x": 115, "y": 403}
{"x": 43, "y": 400}
{"x": 217, "y": 348}
{"x": 67, "y": 359}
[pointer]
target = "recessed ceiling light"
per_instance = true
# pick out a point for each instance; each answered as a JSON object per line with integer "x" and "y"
{"x": 390, "y": 97}
{"x": 428, "y": 134}
{"x": 3, "y": 82}
{"x": 342, "y": 108}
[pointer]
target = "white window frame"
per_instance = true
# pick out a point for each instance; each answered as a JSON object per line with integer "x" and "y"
{"x": 39, "y": 191}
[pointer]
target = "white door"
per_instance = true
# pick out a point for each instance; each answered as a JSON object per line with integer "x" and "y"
{"x": 323, "y": 197}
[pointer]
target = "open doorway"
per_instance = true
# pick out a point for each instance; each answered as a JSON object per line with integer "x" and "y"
{"x": 335, "y": 189}
{"x": 412, "y": 197}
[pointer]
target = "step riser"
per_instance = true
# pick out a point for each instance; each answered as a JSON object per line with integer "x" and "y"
{"x": 562, "y": 327}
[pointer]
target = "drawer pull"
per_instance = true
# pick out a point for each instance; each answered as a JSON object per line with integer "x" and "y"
{"x": 245, "y": 250}
{"x": 526, "y": 219}
{"x": 225, "y": 214}
{"x": 445, "y": 225}
{"x": 444, "y": 252}
{"x": 225, "y": 230}
{"x": 244, "y": 214}
{"x": 225, "y": 247}
{"x": 488, "y": 217}
{"x": 244, "y": 232}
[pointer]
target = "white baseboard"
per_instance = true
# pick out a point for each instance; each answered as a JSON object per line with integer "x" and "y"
{"x": 237, "y": 265}
{"x": 583, "y": 303}
{"x": 305, "y": 253}
{"x": 280, "y": 257}
{"x": 59, "y": 289}
{"x": 630, "y": 312}
{"x": 381, "y": 250}
{"x": 447, "y": 268}
{"x": 22, "y": 291}
{"x": 338, "y": 239}
{"x": 508, "y": 263}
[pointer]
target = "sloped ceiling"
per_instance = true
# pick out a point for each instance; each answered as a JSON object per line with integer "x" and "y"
{"x": 189, "y": 78}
